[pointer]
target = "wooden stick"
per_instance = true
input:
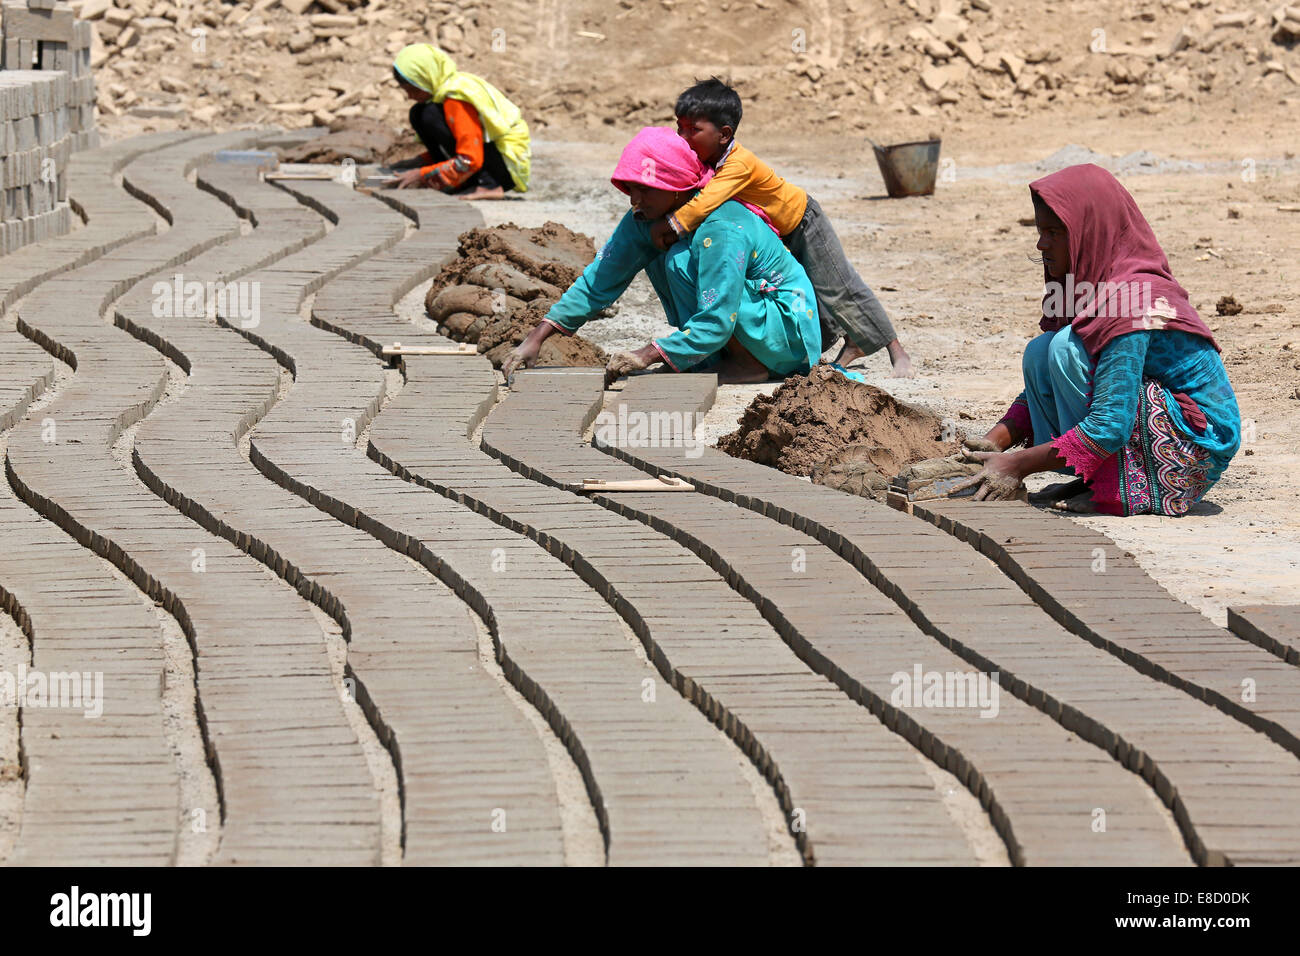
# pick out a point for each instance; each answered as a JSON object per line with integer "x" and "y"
{"x": 661, "y": 483}
{"x": 271, "y": 177}
{"x": 398, "y": 349}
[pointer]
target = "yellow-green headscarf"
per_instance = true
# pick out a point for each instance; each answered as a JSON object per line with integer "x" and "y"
{"x": 426, "y": 67}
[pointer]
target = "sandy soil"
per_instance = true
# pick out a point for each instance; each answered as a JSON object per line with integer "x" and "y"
{"x": 954, "y": 271}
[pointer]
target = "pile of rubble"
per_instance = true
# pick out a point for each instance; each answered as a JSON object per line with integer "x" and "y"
{"x": 586, "y": 63}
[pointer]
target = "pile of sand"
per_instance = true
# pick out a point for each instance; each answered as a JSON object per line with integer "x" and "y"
{"x": 501, "y": 285}
{"x": 840, "y": 433}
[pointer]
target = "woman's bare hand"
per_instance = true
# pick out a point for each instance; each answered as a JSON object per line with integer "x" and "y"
{"x": 409, "y": 179}
{"x": 621, "y": 363}
{"x": 999, "y": 480}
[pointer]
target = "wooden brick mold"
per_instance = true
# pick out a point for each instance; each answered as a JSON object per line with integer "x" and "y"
{"x": 293, "y": 780}
{"x": 1231, "y": 789}
{"x": 461, "y": 748}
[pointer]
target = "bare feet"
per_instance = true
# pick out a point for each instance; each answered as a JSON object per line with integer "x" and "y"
{"x": 901, "y": 361}
{"x": 496, "y": 192}
{"x": 850, "y": 353}
{"x": 1058, "y": 492}
{"x": 1079, "y": 504}
{"x": 738, "y": 367}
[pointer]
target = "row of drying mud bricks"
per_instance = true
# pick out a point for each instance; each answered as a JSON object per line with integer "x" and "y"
{"x": 47, "y": 111}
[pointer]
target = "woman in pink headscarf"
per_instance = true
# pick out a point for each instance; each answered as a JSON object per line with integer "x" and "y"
{"x": 1125, "y": 387}
{"x": 738, "y": 301}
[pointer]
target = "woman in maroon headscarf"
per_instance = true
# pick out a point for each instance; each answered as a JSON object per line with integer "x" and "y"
{"x": 1125, "y": 386}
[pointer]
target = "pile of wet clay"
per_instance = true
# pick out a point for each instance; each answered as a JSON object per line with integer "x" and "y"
{"x": 840, "y": 433}
{"x": 360, "y": 139}
{"x": 501, "y": 284}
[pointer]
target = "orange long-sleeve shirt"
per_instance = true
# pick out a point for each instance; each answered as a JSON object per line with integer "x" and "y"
{"x": 463, "y": 120}
{"x": 742, "y": 175}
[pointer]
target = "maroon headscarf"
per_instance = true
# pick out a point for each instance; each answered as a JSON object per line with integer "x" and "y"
{"x": 1110, "y": 242}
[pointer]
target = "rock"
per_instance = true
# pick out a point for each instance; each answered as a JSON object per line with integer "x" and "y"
{"x": 158, "y": 112}
{"x": 94, "y": 9}
{"x": 205, "y": 114}
{"x": 328, "y": 21}
{"x": 296, "y": 7}
{"x": 301, "y": 40}
{"x": 173, "y": 85}
{"x": 1228, "y": 305}
{"x": 1013, "y": 64}
{"x": 118, "y": 16}
{"x": 972, "y": 51}
{"x": 934, "y": 77}
{"x": 948, "y": 28}
{"x": 937, "y": 50}
{"x": 1182, "y": 40}
{"x": 1239, "y": 18}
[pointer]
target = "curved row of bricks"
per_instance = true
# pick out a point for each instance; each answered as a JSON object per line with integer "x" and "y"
{"x": 103, "y": 791}
{"x": 461, "y": 748}
{"x": 292, "y": 775}
{"x": 1232, "y": 790}
{"x": 710, "y": 641}
{"x": 665, "y": 786}
{"x": 1119, "y": 607}
{"x": 861, "y": 794}
{"x": 736, "y": 632}
{"x": 1038, "y": 779}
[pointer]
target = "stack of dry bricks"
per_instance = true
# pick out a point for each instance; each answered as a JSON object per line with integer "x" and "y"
{"x": 47, "y": 110}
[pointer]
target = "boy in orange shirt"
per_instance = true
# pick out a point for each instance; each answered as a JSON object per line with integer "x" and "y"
{"x": 707, "y": 116}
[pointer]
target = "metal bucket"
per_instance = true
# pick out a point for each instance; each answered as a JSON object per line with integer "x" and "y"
{"x": 909, "y": 169}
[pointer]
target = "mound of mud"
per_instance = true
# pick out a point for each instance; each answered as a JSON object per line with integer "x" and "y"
{"x": 360, "y": 139}
{"x": 501, "y": 285}
{"x": 840, "y": 433}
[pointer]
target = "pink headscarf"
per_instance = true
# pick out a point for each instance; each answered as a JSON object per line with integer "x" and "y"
{"x": 659, "y": 158}
{"x": 1111, "y": 242}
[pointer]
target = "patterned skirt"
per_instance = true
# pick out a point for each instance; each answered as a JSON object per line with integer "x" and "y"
{"x": 1160, "y": 471}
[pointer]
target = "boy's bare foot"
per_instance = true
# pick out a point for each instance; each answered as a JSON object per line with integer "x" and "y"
{"x": 901, "y": 361}
{"x": 1079, "y": 504}
{"x": 496, "y": 192}
{"x": 850, "y": 353}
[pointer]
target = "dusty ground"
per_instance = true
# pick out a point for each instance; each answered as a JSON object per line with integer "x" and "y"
{"x": 954, "y": 271}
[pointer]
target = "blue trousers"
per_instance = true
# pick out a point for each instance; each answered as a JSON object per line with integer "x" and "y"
{"x": 1058, "y": 383}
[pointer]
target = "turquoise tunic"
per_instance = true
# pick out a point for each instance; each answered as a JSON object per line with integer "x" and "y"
{"x": 732, "y": 276}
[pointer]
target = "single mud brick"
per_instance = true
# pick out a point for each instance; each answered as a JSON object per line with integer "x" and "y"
{"x": 1274, "y": 627}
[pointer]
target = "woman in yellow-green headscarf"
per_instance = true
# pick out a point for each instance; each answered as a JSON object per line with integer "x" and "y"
{"x": 476, "y": 140}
